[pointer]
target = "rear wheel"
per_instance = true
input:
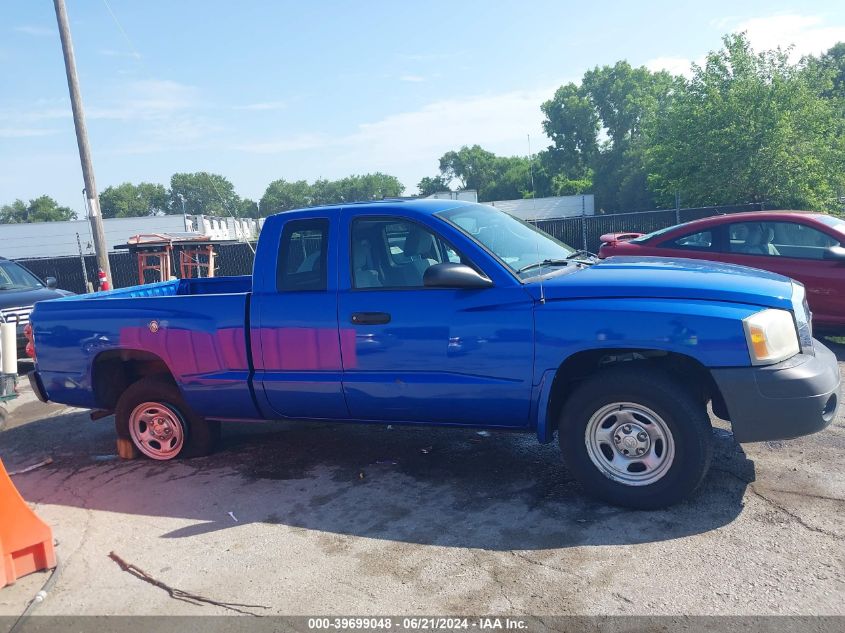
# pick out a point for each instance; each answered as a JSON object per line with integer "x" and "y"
{"x": 152, "y": 414}
{"x": 634, "y": 437}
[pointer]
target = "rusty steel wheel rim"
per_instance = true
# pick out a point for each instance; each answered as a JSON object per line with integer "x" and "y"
{"x": 157, "y": 430}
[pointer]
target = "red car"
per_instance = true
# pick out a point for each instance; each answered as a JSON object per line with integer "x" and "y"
{"x": 805, "y": 246}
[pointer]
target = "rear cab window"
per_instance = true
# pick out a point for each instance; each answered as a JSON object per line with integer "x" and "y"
{"x": 303, "y": 252}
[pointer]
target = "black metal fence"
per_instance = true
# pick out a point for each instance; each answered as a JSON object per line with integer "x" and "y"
{"x": 231, "y": 259}
{"x": 585, "y": 231}
{"x": 237, "y": 259}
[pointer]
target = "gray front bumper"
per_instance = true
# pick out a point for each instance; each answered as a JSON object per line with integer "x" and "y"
{"x": 796, "y": 397}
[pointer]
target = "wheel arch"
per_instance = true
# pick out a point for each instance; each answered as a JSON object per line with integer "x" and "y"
{"x": 114, "y": 370}
{"x": 559, "y": 383}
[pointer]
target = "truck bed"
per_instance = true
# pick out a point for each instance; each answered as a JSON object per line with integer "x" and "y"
{"x": 178, "y": 287}
{"x": 197, "y": 327}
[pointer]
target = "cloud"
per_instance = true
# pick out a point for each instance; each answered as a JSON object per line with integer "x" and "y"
{"x": 408, "y": 144}
{"x": 39, "y": 31}
{"x": 16, "y": 132}
{"x": 292, "y": 144}
{"x": 429, "y": 57}
{"x": 808, "y": 34}
{"x": 412, "y": 78}
{"x": 675, "y": 65}
{"x": 147, "y": 100}
{"x": 108, "y": 52}
{"x": 493, "y": 120}
{"x": 263, "y": 105}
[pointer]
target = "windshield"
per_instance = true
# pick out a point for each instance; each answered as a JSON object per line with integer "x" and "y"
{"x": 517, "y": 244}
{"x": 14, "y": 277}
{"x": 837, "y": 224}
{"x": 658, "y": 232}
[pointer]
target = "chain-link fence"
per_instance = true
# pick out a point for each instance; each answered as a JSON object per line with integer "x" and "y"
{"x": 231, "y": 259}
{"x": 585, "y": 231}
{"x": 237, "y": 259}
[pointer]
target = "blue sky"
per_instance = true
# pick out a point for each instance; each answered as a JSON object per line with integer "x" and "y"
{"x": 263, "y": 90}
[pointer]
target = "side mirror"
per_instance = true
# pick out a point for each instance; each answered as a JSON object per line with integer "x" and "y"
{"x": 449, "y": 275}
{"x": 51, "y": 282}
{"x": 836, "y": 253}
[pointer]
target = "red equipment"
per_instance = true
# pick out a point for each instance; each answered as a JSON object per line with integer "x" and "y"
{"x": 102, "y": 280}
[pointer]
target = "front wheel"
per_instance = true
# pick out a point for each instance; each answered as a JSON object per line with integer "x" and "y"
{"x": 634, "y": 437}
{"x": 153, "y": 416}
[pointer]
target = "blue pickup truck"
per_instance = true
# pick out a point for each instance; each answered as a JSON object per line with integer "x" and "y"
{"x": 438, "y": 312}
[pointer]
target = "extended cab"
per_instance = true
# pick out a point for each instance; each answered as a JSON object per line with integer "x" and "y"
{"x": 437, "y": 312}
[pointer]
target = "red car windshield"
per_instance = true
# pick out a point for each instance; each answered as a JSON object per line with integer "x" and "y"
{"x": 657, "y": 233}
{"x": 837, "y": 224}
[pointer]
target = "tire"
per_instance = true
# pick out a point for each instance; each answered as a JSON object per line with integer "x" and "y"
{"x": 178, "y": 431}
{"x": 642, "y": 410}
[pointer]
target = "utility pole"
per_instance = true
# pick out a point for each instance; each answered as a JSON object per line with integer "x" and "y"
{"x": 91, "y": 195}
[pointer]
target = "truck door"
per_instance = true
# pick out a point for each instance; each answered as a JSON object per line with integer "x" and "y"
{"x": 417, "y": 354}
{"x": 296, "y": 352}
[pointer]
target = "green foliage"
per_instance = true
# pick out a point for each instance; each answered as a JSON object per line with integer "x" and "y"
{"x": 203, "y": 193}
{"x": 495, "y": 177}
{"x": 573, "y": 125}
{"x": 831, "y": 66}
{"x": 433, "y": 184}
{"x": 247, "y": 208}
{"x": 129, "y": 201}
{"x": 598, "y": 130}
{"x": 41, "y": 209}
{"x": 283, "y": 195}
{"x": 749, "y": 127}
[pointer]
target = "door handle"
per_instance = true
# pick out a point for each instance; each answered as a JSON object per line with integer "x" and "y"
{"x": 370, "y": 318}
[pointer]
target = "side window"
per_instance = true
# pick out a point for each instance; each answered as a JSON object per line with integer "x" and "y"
{"x": 302, "y": 256}
{"x": 395, "y": 253}
{"x": 778, "y": 239}
{"x": 701, "y": 241}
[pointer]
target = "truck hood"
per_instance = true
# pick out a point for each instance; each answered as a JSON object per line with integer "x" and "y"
{"x": 669, "y": 278}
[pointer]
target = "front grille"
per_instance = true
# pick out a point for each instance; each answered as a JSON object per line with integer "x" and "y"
{"x": 19, "y": 316}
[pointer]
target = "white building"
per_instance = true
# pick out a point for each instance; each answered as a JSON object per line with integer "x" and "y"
{"x": 56, "y": 239}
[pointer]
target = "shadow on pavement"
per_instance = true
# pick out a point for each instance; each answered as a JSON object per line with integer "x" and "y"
{"x": 448, "y": 487}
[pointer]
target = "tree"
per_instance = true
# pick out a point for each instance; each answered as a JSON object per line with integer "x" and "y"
{"x": 203, "y": 193}
{"x": 472, "y": 167}
{"x": 283, "y": 195}
{"x": 376, "y": 186}
{"x": 247, "y": 209}
{"x": 832, "y": 65}
{"x": 128, "y": 200}
{"x": 41, "y": 209}
{"x": 615, "y": 102}
{"x": 495, "y": 177}
{"x": 750, "y": 127}
{"x": 430, "y": 185}
{"x": 573, "y": 126}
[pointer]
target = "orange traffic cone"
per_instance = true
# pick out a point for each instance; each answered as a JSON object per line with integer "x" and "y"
{"x": 26, "y": 542}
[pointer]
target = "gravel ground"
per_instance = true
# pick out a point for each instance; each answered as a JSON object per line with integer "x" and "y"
{"x": 342, "y": 519}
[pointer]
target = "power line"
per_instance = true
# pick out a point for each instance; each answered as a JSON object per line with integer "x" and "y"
{"x": 135, "y": 53}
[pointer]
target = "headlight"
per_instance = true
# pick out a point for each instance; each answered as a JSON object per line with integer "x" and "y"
{"x": 803, "y": 318}
{"x": 771, "y": 336}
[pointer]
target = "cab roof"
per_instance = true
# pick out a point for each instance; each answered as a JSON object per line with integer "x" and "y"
{"x": 422, "y": 206}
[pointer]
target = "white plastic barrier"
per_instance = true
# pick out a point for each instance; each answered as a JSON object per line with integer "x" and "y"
{"x": 8, "y": 348}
